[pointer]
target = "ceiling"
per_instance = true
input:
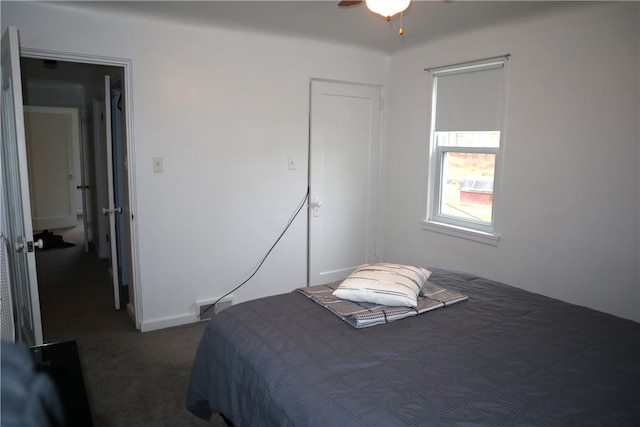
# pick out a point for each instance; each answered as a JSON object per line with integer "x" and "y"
{"x": 324, "y": 20}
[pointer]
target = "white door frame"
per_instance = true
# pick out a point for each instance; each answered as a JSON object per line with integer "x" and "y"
{"x": 127, "y": 66}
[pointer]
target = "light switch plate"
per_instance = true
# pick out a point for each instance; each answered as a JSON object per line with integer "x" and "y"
{"x": 158, "y": 164}
{"x": 291, "y": 162}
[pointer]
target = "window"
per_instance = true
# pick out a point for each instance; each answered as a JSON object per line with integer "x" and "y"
{"x": 466, "y": 135}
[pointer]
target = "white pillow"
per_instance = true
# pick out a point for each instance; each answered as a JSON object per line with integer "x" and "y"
{"x": 384, "y": 284}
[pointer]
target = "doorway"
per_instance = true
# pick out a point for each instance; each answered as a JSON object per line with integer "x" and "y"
{"x": 53, "y": 139}
{"x": 77, "y": 85}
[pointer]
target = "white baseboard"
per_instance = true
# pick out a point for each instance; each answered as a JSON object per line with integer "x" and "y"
{"x": 131, "y": 311}
{"x": 168, "y": 322}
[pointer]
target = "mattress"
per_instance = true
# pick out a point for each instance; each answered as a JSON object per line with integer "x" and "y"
{"x": 503, "y": 357}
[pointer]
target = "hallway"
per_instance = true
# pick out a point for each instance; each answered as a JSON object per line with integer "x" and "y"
{"x": 76, "y": 294}
{"x": 133, "y": 379}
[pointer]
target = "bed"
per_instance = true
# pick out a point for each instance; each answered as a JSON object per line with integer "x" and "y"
{"x": 503, "y": 357}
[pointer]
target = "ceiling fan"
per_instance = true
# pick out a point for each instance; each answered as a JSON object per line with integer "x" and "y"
{"x": 347, "y": 3}
{"x": 385, "y": 8}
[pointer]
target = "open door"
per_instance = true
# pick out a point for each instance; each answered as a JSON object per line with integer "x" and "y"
{"x": 111, "y": 210}
{"x": 16, "y": 202}
{"x": 85, "y": 189}
{"x": 343, "y": 178}
{"x": 119, "y": 157}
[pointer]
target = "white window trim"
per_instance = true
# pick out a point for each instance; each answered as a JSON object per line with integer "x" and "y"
{"x": 489, "y": 235}
{"x": 462, "y": 232}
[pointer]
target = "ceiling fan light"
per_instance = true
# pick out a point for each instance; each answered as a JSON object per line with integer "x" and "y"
{"x": 387, "y": 8}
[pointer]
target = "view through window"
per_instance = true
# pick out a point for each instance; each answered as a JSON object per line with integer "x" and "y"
{"x": 468, "y": 162}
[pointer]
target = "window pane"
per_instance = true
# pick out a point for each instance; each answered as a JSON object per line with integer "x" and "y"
{"x": 467, "y": 186}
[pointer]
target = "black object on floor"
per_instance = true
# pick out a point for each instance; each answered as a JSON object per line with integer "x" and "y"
{"x": 62, "y": 362}
{"x": 51, "y": 240}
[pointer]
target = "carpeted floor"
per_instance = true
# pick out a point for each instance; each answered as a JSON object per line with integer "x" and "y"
{"x": 132, "y": 378}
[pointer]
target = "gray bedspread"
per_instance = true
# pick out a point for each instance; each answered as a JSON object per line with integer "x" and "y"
{"x": 504, "y": 357}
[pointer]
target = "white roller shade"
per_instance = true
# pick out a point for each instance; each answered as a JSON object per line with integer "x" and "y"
{"x": 469, "y": 98}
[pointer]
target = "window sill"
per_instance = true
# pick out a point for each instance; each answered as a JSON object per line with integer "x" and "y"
{"x": 461, "y": 232}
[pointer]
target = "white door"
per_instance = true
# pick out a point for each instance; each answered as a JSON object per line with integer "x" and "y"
{"x": 343, "y": 178}
{"x": 111, "y": 210}
{"x": 53, "y": 137}
{"x": 86, "y": 189}
{"x": 16, "y": 203}
{"x": 118, "y": 105}
{"x": 101, "y": 222}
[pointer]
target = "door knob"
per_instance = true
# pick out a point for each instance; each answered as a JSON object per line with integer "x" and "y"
{"x": 30, "y": 245}
{"x": 107, "y": 211}
{"x": 316, "y": 203}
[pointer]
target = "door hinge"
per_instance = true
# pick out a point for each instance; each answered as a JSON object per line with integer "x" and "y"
{"x": 380, "y": 104}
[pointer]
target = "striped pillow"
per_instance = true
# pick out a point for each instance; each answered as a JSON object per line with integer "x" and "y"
{"x": 384, "y": 284}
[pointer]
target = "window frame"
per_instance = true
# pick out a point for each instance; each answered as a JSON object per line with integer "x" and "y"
{"x": 435, "y": 220}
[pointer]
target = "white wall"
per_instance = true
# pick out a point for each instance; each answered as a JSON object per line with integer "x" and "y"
{"x": 224, "y": 109}
{"x": 570, "y": 201}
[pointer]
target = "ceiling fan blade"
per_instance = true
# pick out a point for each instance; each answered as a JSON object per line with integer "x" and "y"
{"x": 347, "y": 3}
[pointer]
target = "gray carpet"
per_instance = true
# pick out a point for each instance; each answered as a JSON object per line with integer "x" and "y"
{"x": 132, "y": 378}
